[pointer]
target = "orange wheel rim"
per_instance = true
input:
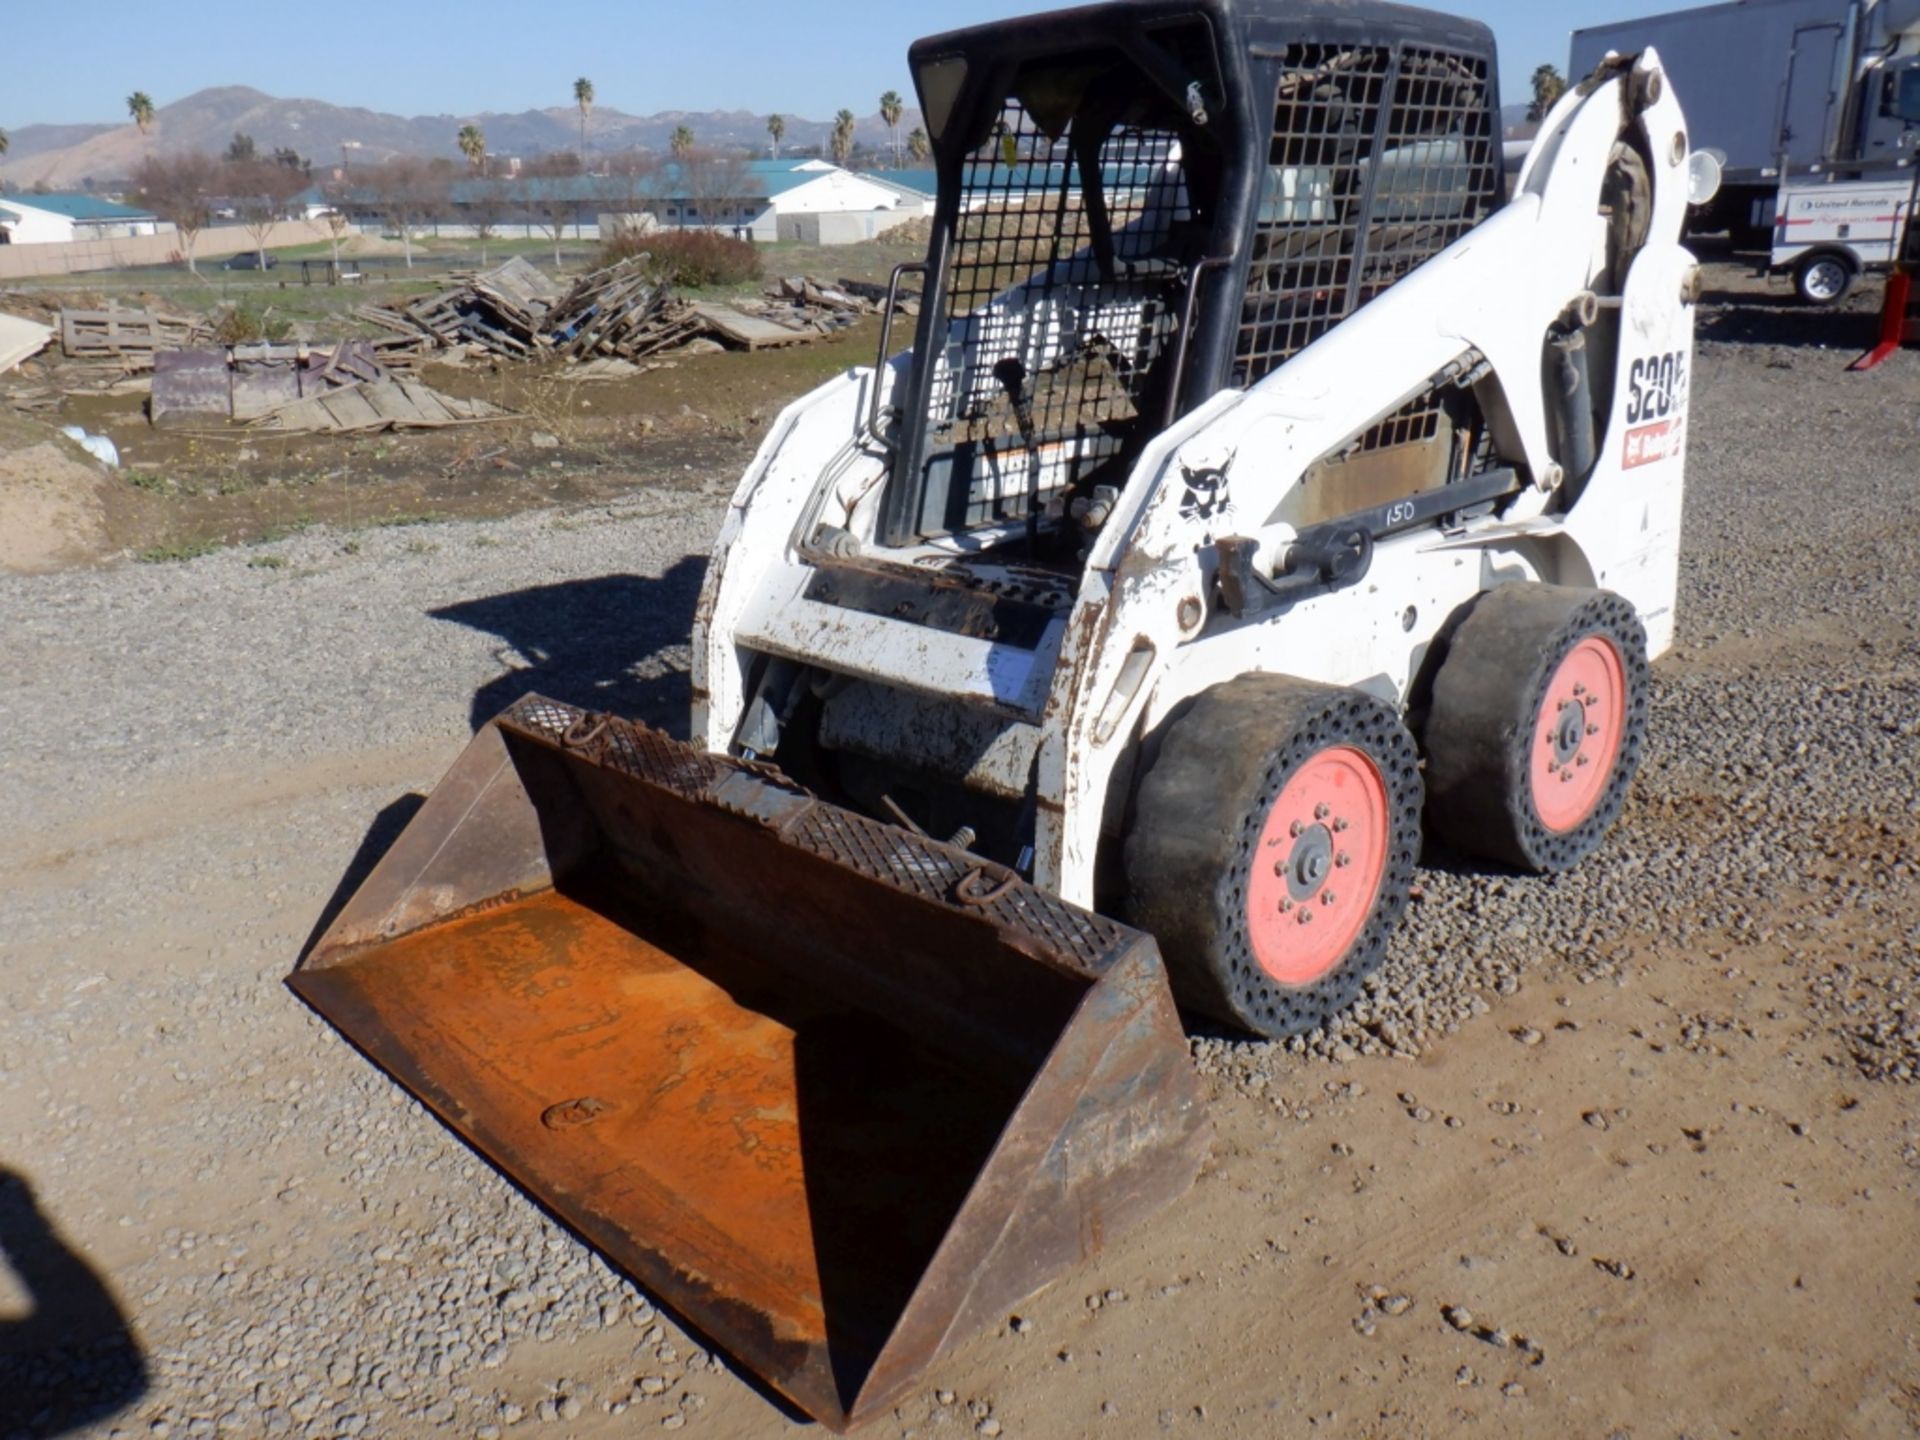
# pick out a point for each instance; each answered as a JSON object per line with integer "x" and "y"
{"x": 1318, "y": 866}
{"x": 1577, "y": 734}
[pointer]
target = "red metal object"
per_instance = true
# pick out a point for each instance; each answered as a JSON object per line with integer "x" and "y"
{"x": 1317, "y": 868}
{"x": 831, "y": 1090}
{"x": 1898, "y": 325}
{"x": 1577, "y": 734}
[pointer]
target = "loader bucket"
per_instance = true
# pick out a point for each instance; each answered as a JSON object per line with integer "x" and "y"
{"x": 837, "y": 1094}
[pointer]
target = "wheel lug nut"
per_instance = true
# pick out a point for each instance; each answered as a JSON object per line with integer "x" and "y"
{"x": 1583, "y": 760}
{"x": 1306, "y": 917}
{"x": 1579, "y": 689}
{"x": 1320, "y": 812}
{"x": 1553, "y": 767}
{"x": 1285, "y": 906}
{"x": 1327, "y": 897}
{"x": 1339, "y": 825}
{"x": 1343, "y": 859}
{"x": 1295, "y": 829}
{"x": 1593, "y": 730}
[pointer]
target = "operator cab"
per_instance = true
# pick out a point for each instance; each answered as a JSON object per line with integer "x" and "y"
{"x": 1143, "y": 203}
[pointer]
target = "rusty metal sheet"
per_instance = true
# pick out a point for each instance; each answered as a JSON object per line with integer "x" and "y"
{"x": 838, "y": 1094}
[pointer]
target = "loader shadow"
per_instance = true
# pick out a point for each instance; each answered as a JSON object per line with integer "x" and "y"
{"x": 379, "y": 839}
{"x": 72, "y": 1361}
{"x": 615, "y": 643}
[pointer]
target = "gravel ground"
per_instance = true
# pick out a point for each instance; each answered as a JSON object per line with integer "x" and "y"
{"x": 194, "y": 749}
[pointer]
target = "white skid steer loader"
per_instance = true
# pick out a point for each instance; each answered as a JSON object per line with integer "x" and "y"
{"x": 1251, "y": 455}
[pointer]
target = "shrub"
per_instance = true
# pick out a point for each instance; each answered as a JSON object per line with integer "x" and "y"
{"x": 693, "y": 259}
{"x": 245, "y": 323}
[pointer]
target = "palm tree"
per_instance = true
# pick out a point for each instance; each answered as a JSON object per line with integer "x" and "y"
{"x": 140, "y": 110}
{"x": 918, "y": 145}
{"x": 843, "y": 124}
{"x": 583, "y": 97}
{"x": 1548, "y": 86}
{"x": 472, "y": 141}
{"x": 892, "y": 107}
{"x": 777, "y": 128}
{"x": 682, "y": 143}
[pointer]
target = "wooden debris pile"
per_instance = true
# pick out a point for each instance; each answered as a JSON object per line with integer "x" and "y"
{"x": 514, "y": 312}
{"x": 294, "y": 390}
{"x": 130, "y": 337}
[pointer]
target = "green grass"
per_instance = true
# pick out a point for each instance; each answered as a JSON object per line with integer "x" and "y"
{"x": 268, "y": 562}
{"x": 401, "y": 522}
{"x": 178, "y": 550}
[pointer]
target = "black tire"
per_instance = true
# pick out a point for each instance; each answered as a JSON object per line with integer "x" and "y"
{"x": 1824, "y": 278}
{"x": 1486, "y": 715}
{"x": 1200, "y": 817}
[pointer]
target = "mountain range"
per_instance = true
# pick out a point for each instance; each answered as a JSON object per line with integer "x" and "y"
{"x": 80, "y": 156}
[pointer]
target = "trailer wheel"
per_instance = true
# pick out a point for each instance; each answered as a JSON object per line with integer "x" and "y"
{"x": 1823, "y": 278}
{"x": 1538, "y": 718}
{"x": 1271, "y": 847}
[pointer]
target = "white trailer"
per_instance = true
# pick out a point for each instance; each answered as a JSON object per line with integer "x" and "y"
{"x": 1827, "y": 234}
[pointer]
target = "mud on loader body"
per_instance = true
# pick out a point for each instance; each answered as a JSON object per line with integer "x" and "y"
{"x": 1260, "y": 492}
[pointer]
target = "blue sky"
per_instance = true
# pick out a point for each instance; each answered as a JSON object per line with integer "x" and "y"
{"x": 426, "y": 57}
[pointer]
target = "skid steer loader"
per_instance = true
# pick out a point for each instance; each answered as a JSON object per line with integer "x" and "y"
{"x": 1263, "y": 490}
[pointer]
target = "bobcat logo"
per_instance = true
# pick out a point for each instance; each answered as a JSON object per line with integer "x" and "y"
{"x": 1207, "y": 494}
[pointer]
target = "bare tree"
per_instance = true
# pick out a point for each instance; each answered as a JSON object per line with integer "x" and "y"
{"x": 486, "y": 209}
{"x": 179, "y": 189}
{"x": 339, "y": 198}
{"x": 632, "y": 175}
{"x": 550, "y": 204}
{"x": 406, "y": 191}
{"x": 715, "y": 181}
{"x": 262, "y": 194}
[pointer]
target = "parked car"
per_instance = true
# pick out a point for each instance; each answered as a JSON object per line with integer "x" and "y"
{"x": 249, "y": 260}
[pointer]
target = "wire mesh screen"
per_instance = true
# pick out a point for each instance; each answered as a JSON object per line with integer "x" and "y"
{"x": 1353, "y": 199}
{"x": 1061, "y": 299}
{"x": 1414, "y": 423}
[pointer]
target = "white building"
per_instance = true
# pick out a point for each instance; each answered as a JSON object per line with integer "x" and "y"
{"x": 55, "y": 219}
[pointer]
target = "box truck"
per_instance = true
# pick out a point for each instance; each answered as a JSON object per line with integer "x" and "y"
{"x": 1780, "y": 89}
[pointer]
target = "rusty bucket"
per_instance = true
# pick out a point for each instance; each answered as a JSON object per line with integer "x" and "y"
{"x": 837, "y": 1094}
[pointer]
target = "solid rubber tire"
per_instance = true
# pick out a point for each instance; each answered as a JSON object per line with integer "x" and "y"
{"x": 1486, "y": 701}
{"x": 1198, "y": 817}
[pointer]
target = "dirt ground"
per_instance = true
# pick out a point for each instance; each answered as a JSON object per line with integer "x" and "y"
{"x": 569, "y": 443}
{"x": 1651, "y": 1189}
